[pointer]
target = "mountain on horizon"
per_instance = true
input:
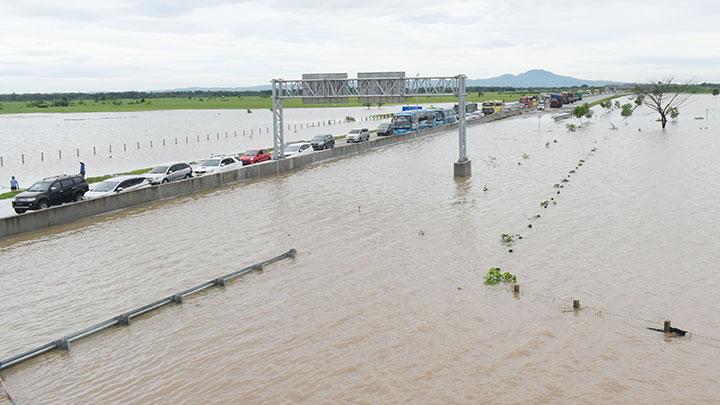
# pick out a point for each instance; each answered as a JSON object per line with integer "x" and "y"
{"x": 535, "y": 78}
{"x": 531, "y": 78}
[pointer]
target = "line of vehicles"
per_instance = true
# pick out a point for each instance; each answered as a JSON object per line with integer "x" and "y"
{"x": 57, "y": 190}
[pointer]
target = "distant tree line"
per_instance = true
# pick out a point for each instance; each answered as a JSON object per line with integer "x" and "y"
{"x": 64, "y": 99}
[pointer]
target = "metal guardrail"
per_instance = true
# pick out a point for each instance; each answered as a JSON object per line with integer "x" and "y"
{"x": 125, "y": 318}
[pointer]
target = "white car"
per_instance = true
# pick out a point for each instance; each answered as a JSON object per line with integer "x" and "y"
{"x": 297, "y": 148}
{"x": 168, "y": 172}
{"x": 358, "y": 135}
{"x": 116, "y": 185}
{"x": 217, "y": 164}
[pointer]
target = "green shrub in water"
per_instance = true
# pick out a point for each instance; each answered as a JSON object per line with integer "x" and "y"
{"x": 495, "y": 276}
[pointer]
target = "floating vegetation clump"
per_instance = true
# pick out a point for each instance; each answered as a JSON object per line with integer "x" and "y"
{"x": 495, "y": 276}
{"x": 544, "y": 204}
{"x": 508, "y": 239}
{"x": 525, "y": 155}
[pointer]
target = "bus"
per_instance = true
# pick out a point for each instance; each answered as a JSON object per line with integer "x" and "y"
{"x": 428, "y": 119}
{"x": 448, "y": 116}
{"x": 404, "y": 122}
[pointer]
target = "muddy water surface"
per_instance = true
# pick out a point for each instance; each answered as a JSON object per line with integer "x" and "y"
{"x": 385, "y": 302}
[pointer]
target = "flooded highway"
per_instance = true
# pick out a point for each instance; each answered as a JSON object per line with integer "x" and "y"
{"x": 385, "y": 302}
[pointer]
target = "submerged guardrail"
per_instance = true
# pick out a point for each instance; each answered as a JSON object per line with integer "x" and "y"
{"x": 125, "y": 318}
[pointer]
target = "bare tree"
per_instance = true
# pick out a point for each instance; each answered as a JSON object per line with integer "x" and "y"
{"x": 664, "y": 97}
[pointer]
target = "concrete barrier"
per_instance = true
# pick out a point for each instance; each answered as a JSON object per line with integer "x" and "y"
{"x": 63, "y": 214}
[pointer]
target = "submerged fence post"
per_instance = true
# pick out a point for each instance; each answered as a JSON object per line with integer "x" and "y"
{"x": 1, "y": 162}
{"x": 124, "y": 147}
{"x": 42, "y": 156}
{"x": 138, "y": 145}
{"x": 63, "y": 344}
{"x": 576, "y": 304}
{"x": 59, "y": 155}
{"x": 22, "y": 158}
{"x": 77, "y": 152}
{"x": 94, "y": 151}
{"x": 666, "y": 327}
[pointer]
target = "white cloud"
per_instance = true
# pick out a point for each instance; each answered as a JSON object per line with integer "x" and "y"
{"x": 88, "y": 45}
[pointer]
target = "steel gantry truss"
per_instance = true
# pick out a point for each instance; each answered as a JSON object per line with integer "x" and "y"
{"x": 377, "y": 87}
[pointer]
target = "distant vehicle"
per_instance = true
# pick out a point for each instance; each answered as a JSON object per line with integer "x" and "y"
{"x": 411, "y": 107}
{"x": 297, "y": 148}
{"x": 404, "y": 122}
{"x": 168, "y": 172}
{"x": 50, "y": 191}
{"x": 217, "y": 164}
{"x": 556, "y": 101}
{"x": 528, "y": 101}
{"x": 115, "y": 185}
{"x": 426, "y": 119}
{"x": 488, "y": 107}
{"x": 448, "y": 116}
{"x": 358, "y": 135}
{"x": 384, "y": 129}
{"x": 321, "y": 142}
{"x": 568, "y": 97}
{"x": 493, "y": 106}
{"x": 255, "y": 156}
{"x": 469, "y": 108}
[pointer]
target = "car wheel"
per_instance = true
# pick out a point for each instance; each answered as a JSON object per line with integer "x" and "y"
{"x": 189, "y": 175}
{"x": 165, "y": 181}
{"x": 43, "y": 204}
{"x": 77, "y": 197}
{"x": 17, "y": 211}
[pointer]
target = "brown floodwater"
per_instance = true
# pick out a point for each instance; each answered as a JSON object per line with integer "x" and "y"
{"x": 385, "y": 302}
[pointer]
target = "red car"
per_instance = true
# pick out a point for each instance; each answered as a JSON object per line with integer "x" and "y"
{"x": 255, "y": 156}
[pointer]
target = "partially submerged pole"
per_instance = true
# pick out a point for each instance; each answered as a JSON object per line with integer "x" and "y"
{"x": 462, "y": 168}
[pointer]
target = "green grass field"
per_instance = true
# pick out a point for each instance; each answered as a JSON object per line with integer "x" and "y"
{"x": 213, "y": 103}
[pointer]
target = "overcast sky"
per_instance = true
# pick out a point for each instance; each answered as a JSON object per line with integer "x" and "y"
{"x": 94, "y": 45}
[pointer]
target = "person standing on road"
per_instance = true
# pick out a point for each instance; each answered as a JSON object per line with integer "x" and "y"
{"x": 14, "y": 186}
{"x": 82, "y": 169}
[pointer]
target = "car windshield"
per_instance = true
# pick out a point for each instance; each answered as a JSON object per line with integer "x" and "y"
{"x": 40, "y": 186}
{"x": 250, "y": 153}
{"x": 106, "y": 186}
{"x": 292, "y": 148}
{"x": 383, "y": 126}
{"x": 318, "y": 138}
{"x": 210, "y": 162}
{"x": 159, "y": 169}
{"x": 355, "y": 131}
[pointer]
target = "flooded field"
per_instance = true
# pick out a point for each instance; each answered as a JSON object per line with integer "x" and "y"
{"x": 386, "y": 302}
